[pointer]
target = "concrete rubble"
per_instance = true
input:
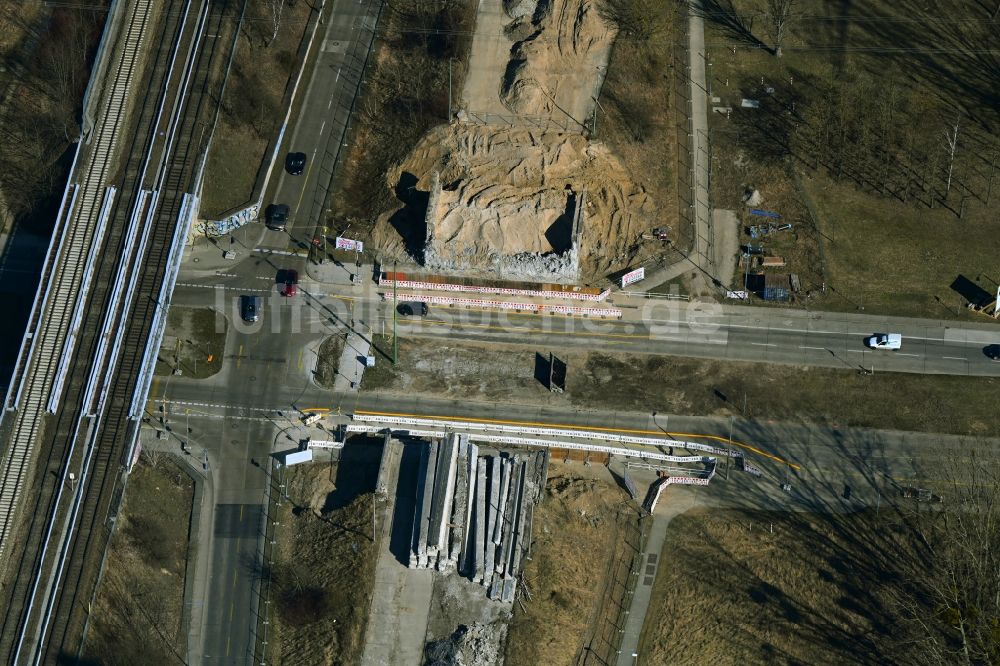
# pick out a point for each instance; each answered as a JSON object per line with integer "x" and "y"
{"x": 473, "y": 512}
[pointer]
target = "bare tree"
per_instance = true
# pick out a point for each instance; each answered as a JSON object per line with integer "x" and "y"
{"x": 274, "y": 10}
{"x": 779, "y": 15}
{"x": 954, "y": 594}
{"x": 951, "y": 145}
{"x": 993, "y": 173}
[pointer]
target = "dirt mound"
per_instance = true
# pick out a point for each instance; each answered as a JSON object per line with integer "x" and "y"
{"x": 563, "y": 37}
{"x": 479, "y": 644}
{"x": 509, "y": 191}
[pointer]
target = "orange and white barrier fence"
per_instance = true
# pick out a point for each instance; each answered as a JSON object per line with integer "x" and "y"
{"x": 501, "y": 291}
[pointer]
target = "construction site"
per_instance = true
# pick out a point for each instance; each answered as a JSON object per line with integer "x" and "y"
{"x": 516, "y": 186}
{"x": 459, "y": 554}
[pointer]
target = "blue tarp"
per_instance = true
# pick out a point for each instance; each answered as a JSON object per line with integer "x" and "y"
{"x": 764, "y": 213}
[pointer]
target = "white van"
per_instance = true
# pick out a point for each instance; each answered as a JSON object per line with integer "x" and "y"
{"x": 891, "y": 341}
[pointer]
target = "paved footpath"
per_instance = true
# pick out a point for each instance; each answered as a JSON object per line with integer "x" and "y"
{"x": 703, "y": 253}
{"x": 671, "y": 504}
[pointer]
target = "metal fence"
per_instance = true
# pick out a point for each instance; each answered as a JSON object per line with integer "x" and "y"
{"x": 522, "y": 121}
{"x": 608, "y": 628}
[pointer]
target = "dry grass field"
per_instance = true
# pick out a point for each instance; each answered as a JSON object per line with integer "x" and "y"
{"x": 850, "y": 145}
{"x": 581, "y": 512}
{"x": 137, "y": 615}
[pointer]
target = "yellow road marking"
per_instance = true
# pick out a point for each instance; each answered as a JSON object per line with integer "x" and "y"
{"x": 633, "y": 431}
{"x": 239, "y": 356}
{"x": 316, "y": 409}
{"x": 300, "y": 359}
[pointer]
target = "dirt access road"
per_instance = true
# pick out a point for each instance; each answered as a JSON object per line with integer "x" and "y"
{"x": 561, "y": 66}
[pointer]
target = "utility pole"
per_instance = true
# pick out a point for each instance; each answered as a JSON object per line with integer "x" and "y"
{"x": 395, "y": 339}
{"x": 729, "y": 457}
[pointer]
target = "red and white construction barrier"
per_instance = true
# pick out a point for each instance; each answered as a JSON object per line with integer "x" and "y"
{"x": 513, "y": 305}
{"x": 501, "y": 291}
{"x": 660, "y": 484}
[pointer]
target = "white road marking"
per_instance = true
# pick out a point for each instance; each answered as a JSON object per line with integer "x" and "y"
{"x": 953, "y": 358}
{"x": 764, "y": 344}
{"x": 264, "y": 250}
{"x": 220, "y": 286}
{"x": 322, "y": 127}
{"x": 902, "y": 354}
{"x": 816, "y": 348}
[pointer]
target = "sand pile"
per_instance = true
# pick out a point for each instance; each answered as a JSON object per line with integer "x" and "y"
{"x": 504, "y": 187}
{"x": 557, "y": 45}
{"x": 510, "y": 192}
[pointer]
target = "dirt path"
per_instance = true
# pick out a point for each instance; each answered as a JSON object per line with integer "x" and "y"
{"x": 490, "y": 51}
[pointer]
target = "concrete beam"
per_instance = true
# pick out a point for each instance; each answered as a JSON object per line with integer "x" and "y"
{"x": 417, "y": 537}
{"x": 478, "y": 552}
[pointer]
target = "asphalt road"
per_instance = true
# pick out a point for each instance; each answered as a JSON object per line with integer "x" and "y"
{"x": 731, "y": 333}
{"x": 254, "y": 370}
{"x": 323, "y": 115}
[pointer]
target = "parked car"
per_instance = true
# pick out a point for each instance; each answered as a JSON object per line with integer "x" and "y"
{"x": 295, "y": 163}
{"x": 250, "y": 308}
{"x": 289, "y": 281}
{"x": 276, "y": 216}
{"x": 412, "y": 309}
{"x": 992, "y": 352}
{"x": 890, "y": 341}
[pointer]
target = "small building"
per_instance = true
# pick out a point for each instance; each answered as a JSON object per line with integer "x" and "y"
{"x": 771, "y": 286}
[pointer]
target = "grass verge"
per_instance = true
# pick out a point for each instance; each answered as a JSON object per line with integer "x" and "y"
{"x": 251, "y": 106}
{"x": 195, "y": 343}
{"x": 637, "y": 116}
{"x": 753, "y": 587}
{"x": 328, "y": 360}
{"x": 137, "y": 614}
{"x": 325, "y": 565}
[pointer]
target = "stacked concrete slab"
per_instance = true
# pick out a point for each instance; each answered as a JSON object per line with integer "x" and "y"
{"x": 473, "y": 513}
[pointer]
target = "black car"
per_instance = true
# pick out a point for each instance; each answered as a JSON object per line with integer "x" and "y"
{"x": 412, "y": 309}
{"x": 250, "y": 308}
{"x": 276, "y": 216}
{"x": 992, "y": 352}
{"x": 295, "y": 163}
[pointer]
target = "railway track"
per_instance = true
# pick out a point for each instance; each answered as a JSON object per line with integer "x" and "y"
{"x": 66, "y": 534}
{"x": 118, "y": 429}
{"x": 35, "y": 374}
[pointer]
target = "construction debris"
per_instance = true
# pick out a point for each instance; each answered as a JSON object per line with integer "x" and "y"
{"x": 473, "y": 513}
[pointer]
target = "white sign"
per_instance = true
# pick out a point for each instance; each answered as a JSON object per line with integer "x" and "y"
{"x": 633, "y": 276}
{"x": 348, "y": 244}
{"x": 298, "y": 457}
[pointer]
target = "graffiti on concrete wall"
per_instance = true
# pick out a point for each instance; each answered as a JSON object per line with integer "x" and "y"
{"x": 229, "y": 224}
